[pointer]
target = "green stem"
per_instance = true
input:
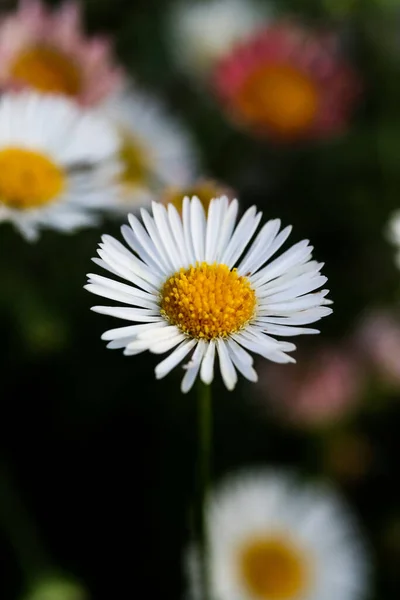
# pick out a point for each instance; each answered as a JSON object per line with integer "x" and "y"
{"x": 21, "y": 531}
{"x": 204, "y": 460}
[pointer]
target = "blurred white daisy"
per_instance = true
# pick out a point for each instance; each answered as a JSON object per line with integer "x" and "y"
{"x": 155, "y": 150}
{"x": 202, "y": 32}
{"x": 57, "y": 163}
{"x": 194, "y": 290}
{"x": 269, "y": 538}
{"x": 393, "y": 234}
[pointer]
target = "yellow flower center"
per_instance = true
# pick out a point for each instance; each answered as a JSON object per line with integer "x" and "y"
{"x": 135, "y": 161}
{"x": 47, "y": 70}
{"x": 204, "y": 190}
{"x": 279, "y": 98}
{"x": 272, "y": 569}
{"x": 28, "y": 179}
{"x": 208, "y": 301}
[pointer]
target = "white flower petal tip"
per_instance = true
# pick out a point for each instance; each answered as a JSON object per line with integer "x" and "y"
{"x": 46, "y": 139}
{"x": 179, "y": 284}
{"x": 255, "y": 518}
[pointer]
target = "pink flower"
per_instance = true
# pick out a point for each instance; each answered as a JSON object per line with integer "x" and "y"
{"x": 288, "y": 83}
{"x": 47, "y": 50}
{"x": 378, "y": 338}
{"x": 315, "y": 392}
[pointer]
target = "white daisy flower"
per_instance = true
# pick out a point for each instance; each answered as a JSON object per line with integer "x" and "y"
{"x": 155, "y": 150}
{"x": 194, "y": 290}
{"x": 57, "y": 163}
{"x": 269, "y": 538}
{"x": 202, "y": 32}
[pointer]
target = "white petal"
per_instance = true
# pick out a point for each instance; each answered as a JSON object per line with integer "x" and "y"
{"x": 216, "y": 213}
{"x": 267, "y": 351}
{"x": 125, "y": 272}
{"x": 227, "y": 227}
{"x": 282, "y": 330}
{"x": 160, "y": 334}
{"x": 101, "y": 263}
{"x": 131, "y": 239}
{"x": 187, "y": 230}
{"x": 157, "y": 236}
{"x": 146, "y": 241}
{"x": 177, "y": 230}
{"x": 302, "y": 318}
{"x": 295, "y": 305}
{"x": 198, "y": 228}
{"x": 164, "y": 367}
{"x": 207, "y": 366}
{"x": 227, "y": 369}
{"x": 259, "y": 247}
{"x": 241, "y": 236}
{"x": 167, "y": 238}
{"x": 163, "y": 345}
{"x": 136, "y": 346}
{"x": 243, "y": 367}
{"x": 132, "y": 330}
{"x": 296, "y": 255}
{"x": 125, "y": 258}
{"x": 129, "y": 314}
{"x": 120, "y": 296}
{"x": 193, "y": 367}
{"x": 298, "y": 290}
{"x": 244, "y": 356}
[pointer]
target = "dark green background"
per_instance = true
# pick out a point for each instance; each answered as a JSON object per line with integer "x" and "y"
{"x": 102, "y": 455}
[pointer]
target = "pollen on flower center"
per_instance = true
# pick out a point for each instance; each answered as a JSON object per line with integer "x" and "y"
{"x": 279, "y": 97}
{"x": 208, "y": 301}
{"x": 272, "y": 569}
{"x": 47, "y": 70}
{"x": 28, "y": 179}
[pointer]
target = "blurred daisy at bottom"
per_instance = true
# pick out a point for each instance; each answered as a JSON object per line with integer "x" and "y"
{"x": 272, "y": 538}
{"x": 58, "y": 163}
{"x": 156, "y": 150}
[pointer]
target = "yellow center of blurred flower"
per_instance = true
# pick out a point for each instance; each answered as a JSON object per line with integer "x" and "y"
{"x": 279, "y": 98}
{"x": 47, "y": 70}
{"x": 272, "y": 569}
{"x": 135, "y": 161}
{"x": 208, "y": 301}
{"x": 204, "y": 190}
{"x": 28, "y": 179}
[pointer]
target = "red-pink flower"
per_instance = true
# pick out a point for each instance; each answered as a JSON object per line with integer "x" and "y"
{"x": 289, "y": 83}
{"x": 317, "y": 391}
{"x": 47, "y": 50}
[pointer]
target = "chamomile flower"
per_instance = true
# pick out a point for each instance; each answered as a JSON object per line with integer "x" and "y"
{"x": 198, "y": 287}
{"x": 271, "y": 538}
{"x": 155, "y": 150}
{"x": 57, "y": 163}
{"x": 288, "y": 83}
{"x": 45, "y": 50}
{"x": 202, "y": 32}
